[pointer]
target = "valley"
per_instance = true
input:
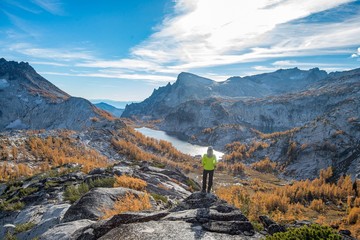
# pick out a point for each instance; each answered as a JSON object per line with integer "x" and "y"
{"x": 70, "y": 170}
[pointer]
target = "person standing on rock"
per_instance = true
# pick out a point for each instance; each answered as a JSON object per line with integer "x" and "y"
{"x": 209, "y": 164}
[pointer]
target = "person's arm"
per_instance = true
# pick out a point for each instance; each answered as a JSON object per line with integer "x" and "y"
{"x": 215, "y": 161}
{"x": 203, "y": 160}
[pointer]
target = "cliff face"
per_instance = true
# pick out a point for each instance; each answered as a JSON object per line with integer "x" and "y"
{"x": 29, "y": 101}
{"x": 316, "y": 103}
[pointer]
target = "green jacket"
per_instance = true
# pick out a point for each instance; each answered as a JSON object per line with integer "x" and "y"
{"x": 209, "y": 163}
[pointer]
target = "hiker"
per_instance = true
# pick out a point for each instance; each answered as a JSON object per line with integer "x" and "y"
{"x": 209, "y": 164}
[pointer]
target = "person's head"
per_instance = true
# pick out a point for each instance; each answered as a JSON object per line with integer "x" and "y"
{"x": 210, "y": 151}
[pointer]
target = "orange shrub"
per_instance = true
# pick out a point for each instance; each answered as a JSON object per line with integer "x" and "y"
{"x": 130, "y": 182}
{"x": 264, "y": 165}
{"x": 237, "y": 168}
{"x": 354, "y": 215}
{"x": 275, "y": 202}
{"x": 317, "y": 205}
{"x": 357, "y": 202}
{"x": 128, "y": 203}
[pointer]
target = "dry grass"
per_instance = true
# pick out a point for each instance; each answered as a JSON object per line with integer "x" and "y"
{"x": 300, "y": 200}
{"x": 34, "y": 153}
{"x": 128, "y": 203}
{"x": 130, "y": 182}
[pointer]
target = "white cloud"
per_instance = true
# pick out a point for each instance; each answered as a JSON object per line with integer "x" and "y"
{"x": 207, "y": 33}
{"x": 214, "y": 32}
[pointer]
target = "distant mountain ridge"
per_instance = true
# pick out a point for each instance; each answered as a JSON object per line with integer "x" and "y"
{"x": 29, "y": 101}
{"x": 192, "y": 87}
{"x": 109, "y": 108}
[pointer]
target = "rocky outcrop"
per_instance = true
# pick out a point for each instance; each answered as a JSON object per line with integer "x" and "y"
{"x": 50, "y": 214}
{"x": 199, "y": 215}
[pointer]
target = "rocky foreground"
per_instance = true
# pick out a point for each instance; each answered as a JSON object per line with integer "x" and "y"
{"x": 40, "y": 202}
{"x": 182, "y": 216}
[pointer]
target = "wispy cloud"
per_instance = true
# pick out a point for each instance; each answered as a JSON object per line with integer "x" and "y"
{"x": 149, "y": 77}
{"x": 22, "y": 6}
{"x": 52, "y": 6}
{"x": 53, "y": 54}
{"x": 49, "y": 64}
{"x": 23, "y": 25}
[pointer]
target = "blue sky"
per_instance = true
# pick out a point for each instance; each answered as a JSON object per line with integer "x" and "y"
{"x": 122, "y": 50}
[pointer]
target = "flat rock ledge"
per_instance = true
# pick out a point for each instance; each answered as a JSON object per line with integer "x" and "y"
{"x": 199, "y": 216}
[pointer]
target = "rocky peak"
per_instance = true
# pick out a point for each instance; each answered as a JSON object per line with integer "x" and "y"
{"x": 189, "y": 79}
{"x": 14, "y": 67}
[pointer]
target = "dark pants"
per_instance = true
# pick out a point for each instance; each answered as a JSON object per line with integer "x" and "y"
{"x": 211, "y": 175}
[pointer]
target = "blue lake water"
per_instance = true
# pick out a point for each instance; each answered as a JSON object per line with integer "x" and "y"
{"x": 180, "y": 145}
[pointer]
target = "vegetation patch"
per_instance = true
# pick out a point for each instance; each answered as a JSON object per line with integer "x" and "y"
{"x": 158, "y": 197}
{"x": 307, "y": 232}
{"x": 129, "y": 203}
{"x": 11, "y": 206}
{"x": 23, "y": 227}
{"x": 130, "y": 182}
{"x": 73, "y": 193}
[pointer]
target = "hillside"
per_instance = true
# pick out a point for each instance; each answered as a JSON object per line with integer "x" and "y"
{"x": 29, "y": 101}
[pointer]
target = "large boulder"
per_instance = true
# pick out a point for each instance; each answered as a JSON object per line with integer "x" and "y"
{"x": 92, "y": 204}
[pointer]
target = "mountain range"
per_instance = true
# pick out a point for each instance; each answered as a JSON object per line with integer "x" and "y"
{"x": 315, "y": 112}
